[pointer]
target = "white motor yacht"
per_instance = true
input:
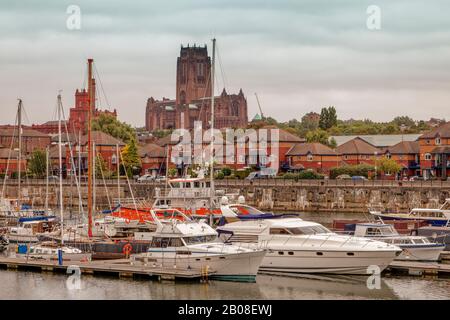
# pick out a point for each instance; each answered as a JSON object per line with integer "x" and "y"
{"x": 298, "y": 246}
{"x": 179, "y": 242}
{"x": 414, "y": 247}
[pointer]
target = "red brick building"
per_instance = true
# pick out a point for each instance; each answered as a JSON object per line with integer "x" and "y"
{"x": 358, "y": 151}
{"x": 435, "y": 152}
{"x": 193, "y": 95}
{"x": 31, "y": 139}
{"x": 12, "y": 155}
{"x": 153, "y": 159}
{"x": 105, "y": 146}
{"x": 406, "y": 153}
{"x": 314, "y": 156}
{"x": 78, "y": 115}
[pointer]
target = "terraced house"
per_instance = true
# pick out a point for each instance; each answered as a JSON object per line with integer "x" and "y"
{"x": 434, "y": 149}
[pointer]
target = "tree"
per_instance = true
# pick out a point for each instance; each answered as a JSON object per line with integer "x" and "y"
{"x": 37, "y": 165}
{"x": 320, "y": 136}
{"x": 387, "y": 166}
{"x": 130, "y": 158}
{"x": 328, "y": 118}
{"x": 172, "y": 172}
{"x": 101, "y": 171}
{"x": 107, "y": 123}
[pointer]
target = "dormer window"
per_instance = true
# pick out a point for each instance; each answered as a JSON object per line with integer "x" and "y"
{"x": 437, "y": 141}
{"x": 388, "y": 155}
{"x": 309, "y": 157}
{"x": 427, "y": 156}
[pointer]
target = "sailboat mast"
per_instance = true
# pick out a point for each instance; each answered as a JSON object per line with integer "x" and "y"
{"x": 61, "y": 204}
{"x": 46, "y": 179}
{"x": 19, "y": 125}
{"x": 118, "y": 172}
{"x": 213, "y": 67}
{"x": 89, "y": 145}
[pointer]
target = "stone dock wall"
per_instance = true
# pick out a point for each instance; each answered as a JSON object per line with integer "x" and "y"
{"x": 276, "y": 195}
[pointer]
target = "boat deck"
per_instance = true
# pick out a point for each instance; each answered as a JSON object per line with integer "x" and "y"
{"x": 120, "y": 267}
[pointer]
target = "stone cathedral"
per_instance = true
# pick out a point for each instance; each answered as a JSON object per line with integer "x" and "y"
{"x": 193, "y": 98}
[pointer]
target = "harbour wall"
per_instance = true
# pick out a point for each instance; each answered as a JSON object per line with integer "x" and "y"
{"x": 275, "y": 195}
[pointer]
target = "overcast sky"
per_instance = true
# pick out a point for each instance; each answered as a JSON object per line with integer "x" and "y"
{"x": 297, "y": 55}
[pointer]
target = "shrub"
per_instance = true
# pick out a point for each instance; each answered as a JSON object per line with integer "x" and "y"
{"x": 352, "y": 170}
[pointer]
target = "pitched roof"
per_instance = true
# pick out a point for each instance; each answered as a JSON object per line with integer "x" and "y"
{"x": 151, "y": 150}
{"x": 101, "y": 138}
{"x": 357, "y": 146}
{"x": 442, "y": 131}
{"x": 167, "y": 140}
{"x": 378, "y": 140}
{"x": 26, "y": 132}
{"x": 441, "y": 149}
{"x": 53, "y": 151}
{"x": 314, "y": 148}
{"x": 405, "y": 147}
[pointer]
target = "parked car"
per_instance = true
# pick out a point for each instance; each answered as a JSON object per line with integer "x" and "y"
{"x": 359, "y": 178}
{"x": 343, "y": 177}
{"x": 259, "y": 175}
{"x": 415, "y": 178}
{"x": 146, "y": 178}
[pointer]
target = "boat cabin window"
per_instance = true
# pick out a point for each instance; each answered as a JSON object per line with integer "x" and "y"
{"x": 300, "y": 230}
{"x": 196, "y": 184}
{"x": 176, "y": 242}
{"x": 199, "y": 239}
{"x": 278, "y": 231}
{"x": 160, "y": 242}
{"x": 208, "y": 184}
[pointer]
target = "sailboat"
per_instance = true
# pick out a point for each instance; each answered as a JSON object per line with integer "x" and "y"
{"x": 52, "y": 250}
{"x": 13, "y": 209}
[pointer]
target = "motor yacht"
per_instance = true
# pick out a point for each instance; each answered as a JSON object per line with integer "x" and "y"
{"x": 179, "y": 242}
{"x": 417, "y": 248}
{"x": 297, "y": 246}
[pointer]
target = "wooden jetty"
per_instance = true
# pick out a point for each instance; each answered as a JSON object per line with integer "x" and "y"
{"x": 119, "y": 267}
{"x": 420, "y": 268}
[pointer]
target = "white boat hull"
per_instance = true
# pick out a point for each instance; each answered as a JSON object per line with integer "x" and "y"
{"x": 421, "y": 253}
{"x": 241, "y": 266}
{"x": 330, "y": 262}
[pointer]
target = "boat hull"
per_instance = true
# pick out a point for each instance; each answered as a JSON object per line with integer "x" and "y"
{"x": 330, "y": 262}
{"x": 433, "y": 222}
{"x": 421, "y": 253}
{"x": 242, "y": 267}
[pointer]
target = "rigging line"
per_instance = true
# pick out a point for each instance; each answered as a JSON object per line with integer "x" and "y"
{"x": 101, "y": 85}
{"x": 72, "y": 162}
{"x": 13, "y": 138}
{"x": 225, "y": 80}
{"x": 222, "y": 70}
{"x": 104, "y": 182}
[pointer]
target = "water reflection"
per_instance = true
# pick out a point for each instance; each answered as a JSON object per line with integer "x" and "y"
{"x": 33, "y": 285}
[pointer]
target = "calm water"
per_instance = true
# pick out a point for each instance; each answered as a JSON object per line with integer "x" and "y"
{"x": 34, "y": 285}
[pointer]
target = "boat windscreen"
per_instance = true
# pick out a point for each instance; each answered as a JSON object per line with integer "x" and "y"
{"x": 308, "y": 230}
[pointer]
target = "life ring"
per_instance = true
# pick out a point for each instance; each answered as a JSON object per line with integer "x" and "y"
{"x": 127, "y": 249}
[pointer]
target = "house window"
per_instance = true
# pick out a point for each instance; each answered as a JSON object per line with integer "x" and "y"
{"x": 427, "y": 156}
{"x": 114, "y": 159}
{"x": 309, "y": 157}
{"x": 388, "y": 155}
{"x": 437, "y": 141}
